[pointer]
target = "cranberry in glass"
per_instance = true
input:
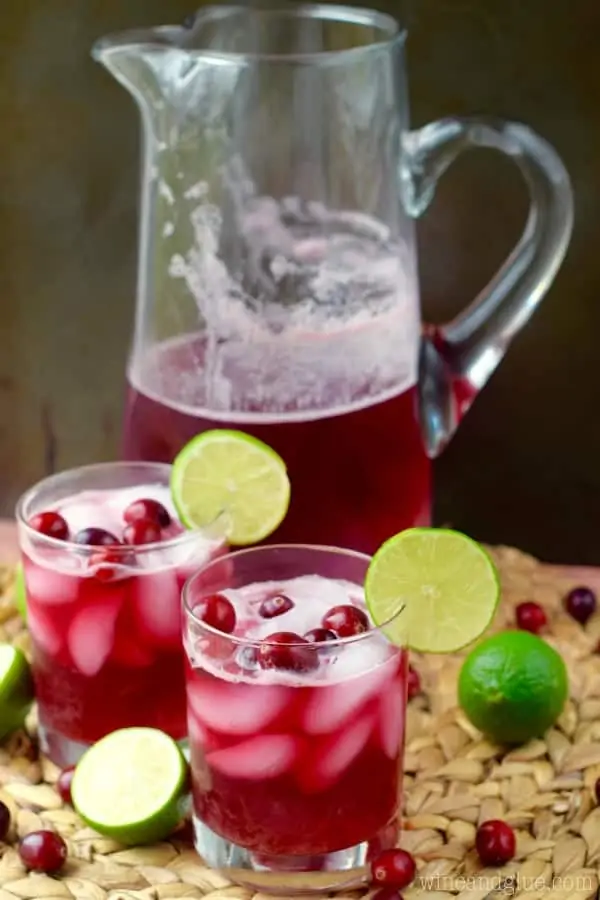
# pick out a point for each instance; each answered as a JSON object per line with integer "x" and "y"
{"x": 96, "y": 537}
{"x": 43, "y": 851}
{"x": 320, "y": 635}
{"x": 413, "y": 683}
{"x": 63, "y": 785}
{"x": 531, "y": 617}
{"x": 346, "y": 620}
{"x": 275, "y": 606}
{"x": 51, "y": 524}
{"x": 495, "y": 842}
{"x": 106, "y": 562}
{"x": 142, "y": 531}
{"x": 393, "y": 868}
{"x": 580, "y": 603}
{"x": 218, "y": 612}
{"x": 4, "y": 820}
{"x": 147, "y": 509}
{"x": 286, "y": 650}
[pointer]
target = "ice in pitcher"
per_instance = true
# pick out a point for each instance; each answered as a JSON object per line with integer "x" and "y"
{"x": 296, "y": 709}
{"x": 104, "y": 570}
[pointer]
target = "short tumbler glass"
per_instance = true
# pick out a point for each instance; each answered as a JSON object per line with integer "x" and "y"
{"x": 292, "y": 772}
{"x": 105, "y": 622}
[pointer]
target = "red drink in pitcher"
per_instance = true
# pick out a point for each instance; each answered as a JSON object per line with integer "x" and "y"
{"x": 105, "y": 560}
{"x": 295, "y": 715}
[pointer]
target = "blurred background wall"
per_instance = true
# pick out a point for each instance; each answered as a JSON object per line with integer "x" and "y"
{"x": 525, "y": 467}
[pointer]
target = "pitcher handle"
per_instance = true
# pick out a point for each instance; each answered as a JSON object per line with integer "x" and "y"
{"x": 458, "y": 358}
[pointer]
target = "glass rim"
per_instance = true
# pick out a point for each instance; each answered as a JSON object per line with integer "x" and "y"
{"x": 254, "y": 642}
{"x": 124, "y": 550}
{"x": 172, "y": 37}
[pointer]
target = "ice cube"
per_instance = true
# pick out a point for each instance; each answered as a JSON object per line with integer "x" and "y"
{"x": 157, "y": 606}
{"x": 331, "y": 706}
{"x": 236, "y": 708}
{"x": 392, "y": 710}
{"x": 46, "y": 634}
{"x": 331, "y": 755}
{"x": 258, "y": 758}
{"x": 50, "y": 587}
{"x": 91, "y": 635}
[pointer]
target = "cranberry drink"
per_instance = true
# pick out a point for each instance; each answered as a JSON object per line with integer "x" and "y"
{"x": 296, "y": 708}
{"x": 105, "y": 559}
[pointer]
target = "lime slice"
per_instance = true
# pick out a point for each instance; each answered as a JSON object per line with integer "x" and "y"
{"x": 19, "y": 591}
{"x": 432, "y": 589}
{"x": 16, "y": 688}
{"x": 230, "y": 474}
{"x": 130, "y": 785}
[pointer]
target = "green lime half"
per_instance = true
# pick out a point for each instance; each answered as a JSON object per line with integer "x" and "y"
{"x": 20, "y": 592}
{"x": 16, "y": 688}
{"x": 230, "y": 474}
{"x": 129, "y": 785}
{"x": 513, "y": 686}
{"x": 432, "y": 589}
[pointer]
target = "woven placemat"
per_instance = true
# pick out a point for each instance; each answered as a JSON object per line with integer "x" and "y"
{"x": 454, "y": 780}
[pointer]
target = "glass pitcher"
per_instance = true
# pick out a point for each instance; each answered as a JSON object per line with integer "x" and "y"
{"x": 277, "y": 285}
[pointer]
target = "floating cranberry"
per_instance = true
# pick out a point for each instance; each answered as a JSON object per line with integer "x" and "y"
{"x": 218, "y": 612}
{"x": 531, "y": 617}
{"x": 4, "y": 820}
{"x": 597, "y": 790}
{"x": 393, "y": 868}
{"x": 147, "y": 509}
{"x": 51, "y": 524}
{"x": 275, "y": 606}
{"x": 413, "y": 683}
{"x": 142, "y": 531}
{"x": 96, "y": 537}
{"x": 580, "y": 603}
{"x": 495, "y": 842}
{"x": 286, "y": 650}
{"x": 63, "y": 785}
{"x": 43, "y": 851}
{"x": 320, "y": 635}
{"x": 106, "y": 561}
{"x": 345, "y": 620}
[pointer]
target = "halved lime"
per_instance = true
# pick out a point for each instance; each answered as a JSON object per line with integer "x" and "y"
{"x": 16, "y": 688}
{"x": 229, "y": 474}
{"x": 432, "y": 589}
{"x": 130, "y": 785}
{"x": 20, "y": 592}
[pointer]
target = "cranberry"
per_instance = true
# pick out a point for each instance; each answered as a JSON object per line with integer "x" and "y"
{"x": 107, "y": 559}
{"x": 320, "y": 635}
{"x": 4, "y": 820}
{"x": 495, "y": 842}
{"x": 147, "y": 509}
{"x": 531, "y": 617}
{"x": 63, "y": 785}
{"x": 284, "y": 650}
{"x": 393, "y": 868}
{"x": 580, "y": 603}
{"x": 596, "y": 790}
{"x": 275, "y": 606}
{"x": 413, "y": 683}
{"x": 346, "y": 620}
{"x": 51, "y": 524}
{"x": 43, "y": 851}
{"x": 142, "y": 531}
{"x": 96, "y": 537}
{"x": 386, "y": 893}
{"x": 218, "y": 612}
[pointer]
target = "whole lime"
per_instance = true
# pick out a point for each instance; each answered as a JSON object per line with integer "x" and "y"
{"x": 513, "y": 686}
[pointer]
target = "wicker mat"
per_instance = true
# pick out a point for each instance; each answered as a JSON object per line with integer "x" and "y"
{"x": 454, "y": 780}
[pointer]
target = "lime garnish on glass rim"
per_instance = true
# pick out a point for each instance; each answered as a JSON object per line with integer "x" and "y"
{"x": 130, "y": 785}
{"x": 432, "y": 589}
{"x": 229, "y": 474}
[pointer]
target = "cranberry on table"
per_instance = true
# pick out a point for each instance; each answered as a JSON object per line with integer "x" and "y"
{"x": 289, "y": 651}
{"x": 320, "y": 635}
{"x": 142, "y": 531}
{"x": 346, "y": 621}
{"x": 495, "y": 842}
{"x": 275, "y": 606}
{"x": 218, "y": 612}
{"x": 386, "y": 893}
{"x": 393, "y": 868}
{"x": 147, "y": 509}
{"x": 531, "y": 617}
{"x": 580, "y": 603}
{"x": 96, "y": 537}
{"x": 51, "y": 524}
{"x": 413, "y": 683}
{"x": 4, "y": 820}
{"x": 63, "y": 785}
{"x": 43, "y": 851}
{"x": 597, "y": 790}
